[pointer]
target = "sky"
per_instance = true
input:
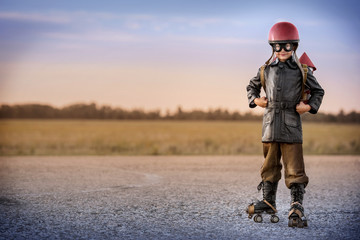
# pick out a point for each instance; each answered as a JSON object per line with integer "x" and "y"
{"x": 164, "y": 54}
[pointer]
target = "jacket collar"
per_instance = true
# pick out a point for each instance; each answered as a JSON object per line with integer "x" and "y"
{"x": 290, "y": 62}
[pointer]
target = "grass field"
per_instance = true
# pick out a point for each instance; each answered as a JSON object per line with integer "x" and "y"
{"x": 96, "y": 137}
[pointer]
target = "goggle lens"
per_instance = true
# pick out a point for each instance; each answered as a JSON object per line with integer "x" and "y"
{"x": 286, "y": 46}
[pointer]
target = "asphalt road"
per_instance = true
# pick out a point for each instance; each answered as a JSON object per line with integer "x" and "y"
{"x": 168, "y": 198}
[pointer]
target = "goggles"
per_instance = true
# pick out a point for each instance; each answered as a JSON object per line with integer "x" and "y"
{"x": 279, "y": 46}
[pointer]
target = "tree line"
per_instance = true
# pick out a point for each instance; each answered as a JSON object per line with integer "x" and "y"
{"x": 92, "y": 111}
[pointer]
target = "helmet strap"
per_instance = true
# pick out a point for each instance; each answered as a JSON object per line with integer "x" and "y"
{"x": 269, "y": 60}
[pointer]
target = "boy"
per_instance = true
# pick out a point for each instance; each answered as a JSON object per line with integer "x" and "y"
{"x": 283, "y": 81}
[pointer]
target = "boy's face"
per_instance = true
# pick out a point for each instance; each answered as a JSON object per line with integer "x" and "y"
{"x": 283, "y": 55}
{"x": 283, "y": 51}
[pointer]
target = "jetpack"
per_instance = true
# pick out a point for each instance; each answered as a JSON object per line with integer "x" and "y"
{"x": 304, "y": 59}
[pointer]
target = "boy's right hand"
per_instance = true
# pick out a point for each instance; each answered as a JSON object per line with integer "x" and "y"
{"x": 261, "y": 102}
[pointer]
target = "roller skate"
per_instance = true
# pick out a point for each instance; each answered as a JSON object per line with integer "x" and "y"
{"x": 296, "y": 213}
{"x": 266, "y": 205}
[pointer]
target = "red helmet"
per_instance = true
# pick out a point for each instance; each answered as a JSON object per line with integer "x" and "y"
{"x": 283, "y": 32}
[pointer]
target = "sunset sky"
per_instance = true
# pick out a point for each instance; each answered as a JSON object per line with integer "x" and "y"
{"x": 163, "y": 54}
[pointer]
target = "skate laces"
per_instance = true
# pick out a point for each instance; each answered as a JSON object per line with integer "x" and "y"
{"x": 297, "y": 193}
{"x": 296, "y": 206}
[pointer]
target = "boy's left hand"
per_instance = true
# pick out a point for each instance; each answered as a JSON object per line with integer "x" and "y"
{"x": 302, "y": 108}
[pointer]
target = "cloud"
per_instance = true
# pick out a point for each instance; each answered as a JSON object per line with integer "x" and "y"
{"x": 118, "y": 36}
{"x": 110, "y": 27}
{"x": 133, "y": 25}
{"x": 35, "y": 17}
{"x": 196, "y": 22}
{"x": 218, "y": 40}
{"x": 129, "y": 21}
{"x": 95, "y": 36}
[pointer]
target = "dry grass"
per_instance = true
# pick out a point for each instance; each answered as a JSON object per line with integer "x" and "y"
{"x": 89, "y": 137}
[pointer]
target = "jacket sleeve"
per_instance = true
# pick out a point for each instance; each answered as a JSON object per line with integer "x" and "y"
{"x": 253, "y": 89}
{"x": 316, "y": 91}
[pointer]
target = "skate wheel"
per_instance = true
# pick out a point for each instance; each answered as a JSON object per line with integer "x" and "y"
{"x": 274, "y": 219}
{"x": 258, "y": 218}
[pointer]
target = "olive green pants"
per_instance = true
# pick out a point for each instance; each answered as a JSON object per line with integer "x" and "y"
{"x": 292, "y": 158}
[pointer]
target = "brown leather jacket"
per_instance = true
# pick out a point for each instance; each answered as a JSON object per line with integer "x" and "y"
{"x": 283, "y": 80}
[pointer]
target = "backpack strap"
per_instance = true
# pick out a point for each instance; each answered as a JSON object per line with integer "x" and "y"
{"x": 262, "y": 76}
{"x": 305, "y": 71}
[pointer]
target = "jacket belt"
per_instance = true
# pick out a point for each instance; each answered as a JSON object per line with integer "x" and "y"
{"x": 282, "y": 105}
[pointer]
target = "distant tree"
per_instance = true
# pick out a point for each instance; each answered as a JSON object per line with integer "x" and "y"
{"x": 92, "y": 111}
{"x": 81, "y": 111}
{"x": 28, "y": 111}
{"x": 179, "y": 115}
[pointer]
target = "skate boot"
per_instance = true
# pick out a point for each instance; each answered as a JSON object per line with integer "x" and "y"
{"x": 266, "y": 205}
{"x": 296, "y": 213}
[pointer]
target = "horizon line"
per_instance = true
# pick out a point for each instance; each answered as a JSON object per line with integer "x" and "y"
{"x": 174, "y": 109}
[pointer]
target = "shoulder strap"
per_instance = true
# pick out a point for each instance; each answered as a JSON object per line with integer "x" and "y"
{"x": 262, "y": 76}
{"x": 305, "y": 71}
{"x": 305, "y": 68}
